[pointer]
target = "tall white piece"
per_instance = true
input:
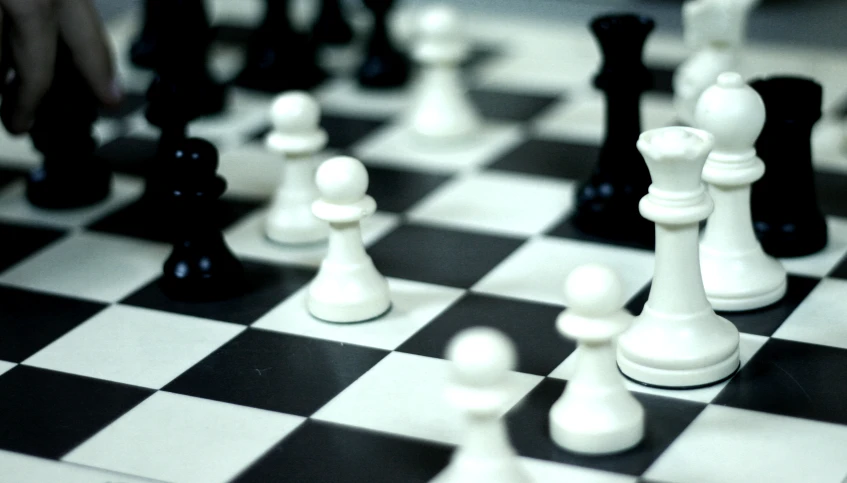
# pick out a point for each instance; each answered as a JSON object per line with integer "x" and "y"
{"x": 482, "y": 358}
{"x": 714, "y": 31}
{"x": 348, "y": 287}
{"x": 297, "y": 137}
{"x": 677, "y": 340}
{"x": 737, "y": 273}
{"x": 596, "y": 414}
{"x": 441, "y": 109}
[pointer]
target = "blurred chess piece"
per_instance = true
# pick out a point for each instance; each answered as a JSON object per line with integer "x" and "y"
{"x": 714, "y": 30}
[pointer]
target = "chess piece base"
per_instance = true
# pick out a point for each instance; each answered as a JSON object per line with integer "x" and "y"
{"x": 750, "y": 281}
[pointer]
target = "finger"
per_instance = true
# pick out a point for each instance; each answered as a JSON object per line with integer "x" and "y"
{"x": 32, "y": 38}
{"x": 82, "y": 30}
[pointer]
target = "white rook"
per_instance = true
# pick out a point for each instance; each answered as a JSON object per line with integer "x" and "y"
{"x": 677, "y": 340}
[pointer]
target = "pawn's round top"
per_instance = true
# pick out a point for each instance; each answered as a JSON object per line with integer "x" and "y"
{"x": 295, "y": 112}
{"x": 440, "y": 22}
{"x": 342, "y": 180}
{"x": 593, "y": 290}
{"x": 481, "y": 356}
{"x": 733, "y": 112}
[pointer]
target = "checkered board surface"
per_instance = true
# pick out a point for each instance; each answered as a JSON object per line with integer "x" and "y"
{"x": 102, "y": 378}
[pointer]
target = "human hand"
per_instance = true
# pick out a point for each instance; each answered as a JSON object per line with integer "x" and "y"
{"x": 30, "y": 32}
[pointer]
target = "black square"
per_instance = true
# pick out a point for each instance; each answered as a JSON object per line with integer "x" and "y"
{"x": 566, "y": 229}
{"x": 550, "y": 158}
{"x": 832, "y": 192}
{"x": 322, "y": 452}
{"x": 45, "y": 413}
{"x": 665, "y": 419}
{"x": 662, "y": 78}
{"x": 397, "y": 190}
{"x": 33, "y": 320}
{"x": 232, "y": 34}
{"x": 766, "y": 321}
{"x": 840, "y": 270}
{"x": 129, "y": 154}
{"x": 481, "y": 53}
{"x": 266, "y": 286}
{"x": 277, "y": 372}
{"x": 509, "y": 106}
{"x": 532, "y": 326}
{"x": 343, "y": 131}
{"x": 792, "y": 379}
{"x": 21, "y": 241}
{"x": 440, "y": 256}
{"x": 7, "y": 175}
{"x": 151, "y": 221}
{"x": 132, "y": 102}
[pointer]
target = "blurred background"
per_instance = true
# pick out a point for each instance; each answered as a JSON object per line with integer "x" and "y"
{"x": 801, "y": 22}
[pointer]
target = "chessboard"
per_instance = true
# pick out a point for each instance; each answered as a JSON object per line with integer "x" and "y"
{"x": 103, "y": 378}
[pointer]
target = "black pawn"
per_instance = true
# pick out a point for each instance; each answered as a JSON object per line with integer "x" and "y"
{"x": 331, "y": 27}
{"x": 607, "y": 203}
{"x": 147, "y": 46}
{"x": 71, "y": 176}
{"x": 201, "y": 267}
{"x": 182, "y": 73}
{"x": 384, "y": 66}
{"x": 786, "y": 215}
{"x": 278, "y": 57}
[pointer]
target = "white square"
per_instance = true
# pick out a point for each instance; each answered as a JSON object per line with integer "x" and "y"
{"x": 548, "y": 472}
{"x": 172, "y": 437}
{"x": 247, "y": 238}
{"x": 537, "y": 270}
{"x": 413, "y": 305}
{"x": 583, "y": 116}
{"x": 5, "y": 367}
{"x": 405, "y": 394}
{"x": 394, "y": 145}
{"x": 136, "y": 346}
{"x": 90, "y": 265}
{"x": 21, "y": 468}
{"x": 344, "y": 96}
{"x": 14, "y": 205}
{"x": 819, "y": 318}
{"x": 729, "y": 445}
{"x": 510, "y": 204}
{"x": 748, "y": 346}
{"x": 821, "y": 263}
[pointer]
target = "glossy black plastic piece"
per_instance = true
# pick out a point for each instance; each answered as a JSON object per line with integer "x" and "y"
{"x": 786, "y": 214}
{"x": 278, "y": 57}
{"x": 384, "y": 65}
{"x": 607, "y": 203}
{"x": 147, "y": 46}
{"x": 71, "y": 176}
{"x": 331, "y": 27}
{"x": 201, "y": 267}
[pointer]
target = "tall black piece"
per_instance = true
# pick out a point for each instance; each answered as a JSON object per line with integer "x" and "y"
{"x": 607, "y": 203}
{"x": 201, "y": 267}
{"x": 786, "y": 215}
{"x": 384, "y": 66}
{"x": 331, "y": 27}
{"x": 71, "y": 176}
{"x": 278, "y": 57}
{"x": 182, "y": 73}
{"x": 147, "y": 46}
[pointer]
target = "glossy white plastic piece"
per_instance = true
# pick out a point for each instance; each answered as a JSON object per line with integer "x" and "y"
{"x": 482, "y": 358}
{"x": 348, "y": 287}
{"x": 714, "y": 30}
{"x": 297, "y": 137}
{"x": 596, "y": 414}
{"x": 737, "y": 273}
{"x": 441, "y": 109}
{"x": 677, "y": 340}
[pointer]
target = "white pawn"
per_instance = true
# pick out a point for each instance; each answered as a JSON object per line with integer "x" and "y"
{"x": 596, "y": 414}
{"x": 482, "y": 358}
{"x": 347, "y": 288}
{"x": 441, "y": 109}
{"x": 297, "y": 136}
{"x": 737, "y": 273}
